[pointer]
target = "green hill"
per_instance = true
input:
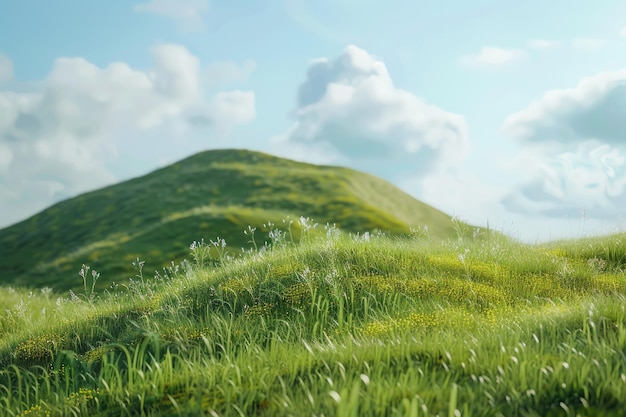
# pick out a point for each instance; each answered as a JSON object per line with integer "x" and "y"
{"x": 212, "y": 194}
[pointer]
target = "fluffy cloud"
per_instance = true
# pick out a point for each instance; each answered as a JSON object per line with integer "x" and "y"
{"x": 187, "y": 13}
{"x": 591, "y": 178}
{"x": 350, "y": 106}
{"x": 594, "y": 109}
{"x": 575, "y": 149}
{"x": 56, "y": 142}
{"x": 623, "y": 33}
{"x": 6, "y": 69}
{"x": 490, "y": 56}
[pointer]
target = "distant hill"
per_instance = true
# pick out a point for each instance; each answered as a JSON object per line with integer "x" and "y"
{"x": 212, "y": 194}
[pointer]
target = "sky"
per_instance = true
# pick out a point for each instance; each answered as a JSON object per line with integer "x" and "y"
{"x": 503, "y": 113}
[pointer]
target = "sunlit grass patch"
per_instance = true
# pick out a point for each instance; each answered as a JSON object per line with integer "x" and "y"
{"x": 473, "y": 294}
{"x": 449, "y": 319}
{"x": 460, "y": 265}
{"x": 385, "y": 284}
{"x": 609, "y": 283}
{"x": 458, "y": 291}
{"x": 556, "y": 253}
{"x": 542, "y": 286}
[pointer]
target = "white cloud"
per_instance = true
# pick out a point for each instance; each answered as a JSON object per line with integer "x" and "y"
{"x": 575, "y": 150}
{"x": 543, "y": 44}
{"x": 6, "y": 69}
{"x": 56, "y": 142}
{"x": 623, "y": 33}
{"x": 229, "y": 71}
{"x": 187, "y": 13}
{"x": 591, "y": 178}
{"x": 490, "y": 56}
{"x": 349, "y": 107}
{"x": 588, "y": 44}
{"x": 594, "y": 109}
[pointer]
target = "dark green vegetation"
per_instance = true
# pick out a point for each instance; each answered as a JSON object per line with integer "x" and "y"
{"x": 336, "y": 325}
{"x": 214, "y": 193}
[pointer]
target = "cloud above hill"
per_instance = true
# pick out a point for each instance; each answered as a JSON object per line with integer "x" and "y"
{"x": 575, "y": 149}
{"x": 56, "y": 141}
{"x": 594, "y": 109}
{"x": 349, "y": 109}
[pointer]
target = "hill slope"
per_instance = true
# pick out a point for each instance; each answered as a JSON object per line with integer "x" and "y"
{"x": 208, "y": 195}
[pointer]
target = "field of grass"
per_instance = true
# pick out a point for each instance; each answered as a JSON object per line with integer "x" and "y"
{"x": 213, "y": 193}
{"x": 336, "y": 325}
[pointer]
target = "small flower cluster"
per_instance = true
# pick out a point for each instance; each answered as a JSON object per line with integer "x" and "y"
{"x": 95, "y": 354}
{"x": 198, "y": 334}
{"x": 38, "y": 349}
{"x": 608, "y": 283}
{"x": 306, "y": 226}
{"x": 453, "y": 318}
{"x": 201, "y": 251}
{"x": 332, "y": 232}
{"x": 597, "y": 265}
{"x": 35, "y": 411}
{"x": 76, "y": 399}
{"x": 412, "y": 321}
{"x": 91, "y": 294}
{"x": 419, "y": 233}
{"x": 261, "y": 309}
{"x": 363, "y": 238}
{"x": 460, "y": 291}
{"x": 411, "y": 287}
{"x": 82, "y": 396}
{"x": 297, "y": 294}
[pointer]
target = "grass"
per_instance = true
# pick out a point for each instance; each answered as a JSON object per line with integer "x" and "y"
{"x": 339, "y": 324}
{"x": 214, "y": 193}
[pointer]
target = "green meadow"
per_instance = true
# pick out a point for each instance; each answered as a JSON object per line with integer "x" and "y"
{"x": 204, "y": 288}
{"x": 328, "y": 322}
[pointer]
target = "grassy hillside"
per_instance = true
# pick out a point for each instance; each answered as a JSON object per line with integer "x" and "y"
{"x": 211, "y": 194}
{"x": 334, "y": 326}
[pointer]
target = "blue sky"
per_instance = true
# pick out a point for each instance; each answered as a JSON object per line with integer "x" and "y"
{"x": 512, "y": 113}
